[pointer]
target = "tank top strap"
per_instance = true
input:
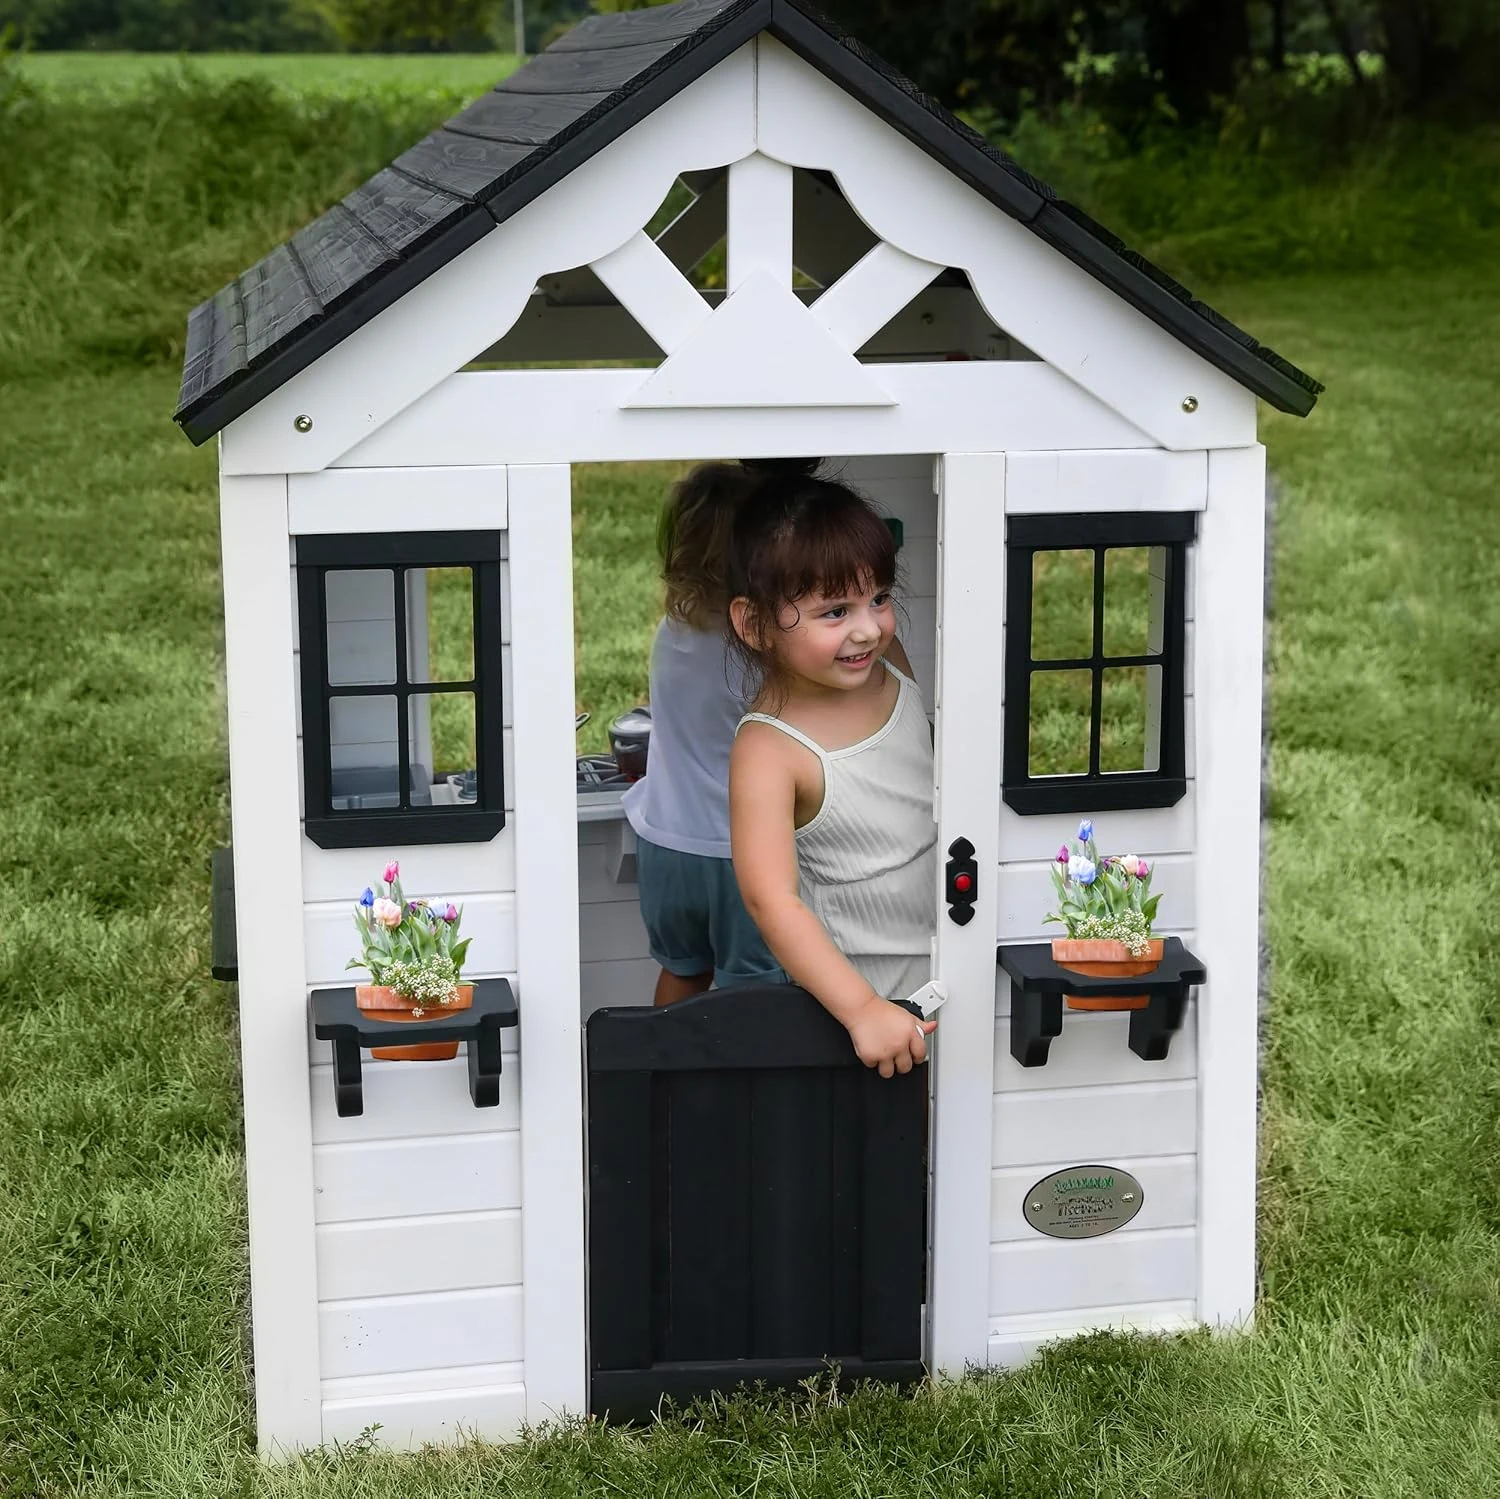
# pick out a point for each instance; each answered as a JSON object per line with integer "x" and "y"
{"x": 788, "y": 730}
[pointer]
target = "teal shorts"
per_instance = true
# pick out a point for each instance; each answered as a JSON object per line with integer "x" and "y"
{"x": 696, "y": 920}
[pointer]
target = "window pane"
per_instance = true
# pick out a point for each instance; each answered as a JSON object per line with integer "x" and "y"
{"x": 1062, "y": 605}
{"x": 440, "y": 618}
{"x": 1059, "y": 742}
{"x": 362, "y": 754}
{"x": 444, "y": 759}
{"x": 1127, "y": 601}
{"x": 1130, "y": 719}
{"x": 361, "y": 626}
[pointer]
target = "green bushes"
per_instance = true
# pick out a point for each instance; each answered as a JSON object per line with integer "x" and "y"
{"x": 119, "y": 213}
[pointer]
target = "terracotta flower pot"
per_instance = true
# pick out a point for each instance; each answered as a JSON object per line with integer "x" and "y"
{"x": 1101, "y": 957}
{"x": 381, "y": 1002}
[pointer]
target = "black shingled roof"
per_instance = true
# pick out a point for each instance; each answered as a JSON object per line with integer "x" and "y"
{"x": 589, "y": 87}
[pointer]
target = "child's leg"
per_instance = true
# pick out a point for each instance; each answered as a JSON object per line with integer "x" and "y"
{"x": 670, "y": 987}
{"x": 675, "y": 913}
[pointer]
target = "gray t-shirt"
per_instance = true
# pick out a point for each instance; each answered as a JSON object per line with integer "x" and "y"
{"x": 698, "y": 693}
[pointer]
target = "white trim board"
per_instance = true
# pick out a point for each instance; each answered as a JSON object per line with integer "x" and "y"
{"x": 265, "y": 806}
{"x": 361, "y": 501}
{"x": 552, "y": 1102}
{"x": 971, "y": 524}
{"x": 584, "y": 416}
{"x": 1057, "y": 483}
{"x": 1226, "y": 710}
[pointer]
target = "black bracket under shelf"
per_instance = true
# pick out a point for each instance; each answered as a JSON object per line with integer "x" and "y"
{"x": 336, "y": 1018}
{"x": 1037, "y": 986}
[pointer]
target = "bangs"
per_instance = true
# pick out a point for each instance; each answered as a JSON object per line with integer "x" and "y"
{"x": 839, "y": 547}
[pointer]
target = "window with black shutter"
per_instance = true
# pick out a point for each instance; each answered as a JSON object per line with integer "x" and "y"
{"x": 1095, "y": 629}
{"x": 400, "y": 642}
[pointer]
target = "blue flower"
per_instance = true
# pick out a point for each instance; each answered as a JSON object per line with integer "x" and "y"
{"x": 1085, "y": 830}
{"x": 368, "y": 898}
{"x": 1082, "y": 870}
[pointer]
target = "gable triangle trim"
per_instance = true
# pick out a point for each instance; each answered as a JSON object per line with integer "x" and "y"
{"x": 761, "y": 347}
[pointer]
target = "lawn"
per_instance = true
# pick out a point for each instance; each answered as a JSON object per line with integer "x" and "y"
{"x": 1375, "y": 1362}
{"x": 335, "y": 73}
{"x": 1374, "y": 1365}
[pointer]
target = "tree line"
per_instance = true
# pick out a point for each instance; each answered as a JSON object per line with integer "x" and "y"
{"x": 1133, "y": 59}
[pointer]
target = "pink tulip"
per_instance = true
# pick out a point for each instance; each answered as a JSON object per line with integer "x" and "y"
{"x": 387, "y": 912}
{"x": 1130, "y": 864}
{"x": 1142, "y": 868}
{"x": 450, "y": 912}
{"x": 392, "y": 871}
{"x": 1063, "y": 855}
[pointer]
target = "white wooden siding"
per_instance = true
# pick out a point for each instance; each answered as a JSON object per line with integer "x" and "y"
{"x": 1094, "y": 1125}
{"x": 457, "y": 1251}
{"x": 1014, "y": 1340}
{"x": 429, "y": 1405}
{"x": 407, "y": 1178}
{"x": 438, "y": 1330}
{"x": 1114, "y": 1270}
{"x": 1093, "y": 1051}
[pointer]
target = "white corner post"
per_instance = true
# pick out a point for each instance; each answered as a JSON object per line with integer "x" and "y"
{"x": 1227, "y": 627}
{"x": 552, "y": 1102}
{"x": 265, "y": 809}
{"x": 970, "y": 610}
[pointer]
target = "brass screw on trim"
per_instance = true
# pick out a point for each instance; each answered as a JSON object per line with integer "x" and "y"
{"x": 1036, "y": 1207}
{"x": 1127, "y": 1196}
{"x": 1190, "y": 404}
{"x": 303, "y": 424}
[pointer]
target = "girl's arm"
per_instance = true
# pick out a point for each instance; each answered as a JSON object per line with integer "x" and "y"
{"x": 762, "y": 812}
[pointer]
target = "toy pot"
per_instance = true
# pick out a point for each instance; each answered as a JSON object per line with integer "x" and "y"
{"x": 381, "y": 1002}
{"x": 1101, "y": 957}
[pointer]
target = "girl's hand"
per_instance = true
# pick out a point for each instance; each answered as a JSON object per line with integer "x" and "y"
{"x": 888, "y": 1037}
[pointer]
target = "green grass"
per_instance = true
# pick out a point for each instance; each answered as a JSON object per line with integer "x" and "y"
{"x": 1375, "y": 1364}
{"x": 321, "y": 74}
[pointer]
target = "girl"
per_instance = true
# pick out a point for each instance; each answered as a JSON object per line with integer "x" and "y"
{"x": 698, "y": 927}
{"x": 830, "y": 779}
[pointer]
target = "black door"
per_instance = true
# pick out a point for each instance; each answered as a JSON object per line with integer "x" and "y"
{"x": 757, "y": 1201}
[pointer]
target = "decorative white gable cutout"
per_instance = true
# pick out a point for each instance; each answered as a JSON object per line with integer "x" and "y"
{"x": 761, "y": 347}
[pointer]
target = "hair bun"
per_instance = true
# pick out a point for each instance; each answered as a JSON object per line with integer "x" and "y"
{"x": 787, "y": 468}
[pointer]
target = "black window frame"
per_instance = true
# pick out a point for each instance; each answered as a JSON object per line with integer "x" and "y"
{"x": 1095, "y": 790}
{"x": 400, "y": 553}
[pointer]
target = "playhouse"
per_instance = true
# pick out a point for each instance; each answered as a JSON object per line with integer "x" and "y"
{"x": 598, "y": 1203}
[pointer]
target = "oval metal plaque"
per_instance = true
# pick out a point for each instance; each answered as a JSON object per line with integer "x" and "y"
{"x": 1082, "y": 1202}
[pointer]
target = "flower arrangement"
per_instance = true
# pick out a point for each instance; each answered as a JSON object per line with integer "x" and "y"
{"x": 1103, "y": 899}
{"x": 411, "y": 946}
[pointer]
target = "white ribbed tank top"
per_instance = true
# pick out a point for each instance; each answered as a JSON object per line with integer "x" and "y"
{"x": 867, "y": 862}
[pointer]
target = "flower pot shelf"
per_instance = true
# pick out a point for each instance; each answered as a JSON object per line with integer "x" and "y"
{"x": 337, "y": 1019}
{"x": 1037, "y": 986}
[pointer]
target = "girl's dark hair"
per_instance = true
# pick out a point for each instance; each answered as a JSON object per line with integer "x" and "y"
{"x": 693, "y": 539}
{"x": 795, "y": 534}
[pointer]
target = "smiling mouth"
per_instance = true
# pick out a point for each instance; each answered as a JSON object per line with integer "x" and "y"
{"x": 858, "y": 660}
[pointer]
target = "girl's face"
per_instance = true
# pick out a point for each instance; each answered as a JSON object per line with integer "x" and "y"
{"x": 835, "y": 640}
